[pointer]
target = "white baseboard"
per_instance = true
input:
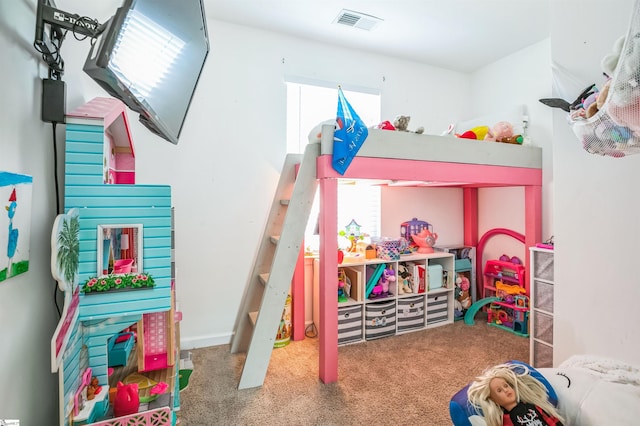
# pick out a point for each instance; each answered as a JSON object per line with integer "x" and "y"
{"x": 187, "y": 343}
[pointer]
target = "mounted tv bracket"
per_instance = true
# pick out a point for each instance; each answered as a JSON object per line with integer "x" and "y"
{"x": 49, "y": 44}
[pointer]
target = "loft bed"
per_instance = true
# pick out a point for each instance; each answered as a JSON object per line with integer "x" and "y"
{"x": 425, "y": 160}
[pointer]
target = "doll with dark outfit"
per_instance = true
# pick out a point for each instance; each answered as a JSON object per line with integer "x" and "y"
{"x": 508, "y": 395}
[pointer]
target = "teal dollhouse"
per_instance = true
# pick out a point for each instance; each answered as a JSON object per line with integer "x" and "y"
{"x": 116, "y": 235}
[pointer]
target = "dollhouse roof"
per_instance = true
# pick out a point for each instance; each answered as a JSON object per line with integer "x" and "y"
{"x": 112, "y": 115}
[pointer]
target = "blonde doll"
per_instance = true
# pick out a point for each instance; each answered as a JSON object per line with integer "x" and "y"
{"x": 508, "y": 395}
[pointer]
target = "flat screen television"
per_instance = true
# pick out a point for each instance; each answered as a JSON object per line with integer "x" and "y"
{"x": 150, "y": 55}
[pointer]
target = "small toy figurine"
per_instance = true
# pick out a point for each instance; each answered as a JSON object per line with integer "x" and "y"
{"x": 507, "y": 397}
{"x": 381, "y": 289}
{"x": 463, "y": 298}
{"x": 93, "y": 388}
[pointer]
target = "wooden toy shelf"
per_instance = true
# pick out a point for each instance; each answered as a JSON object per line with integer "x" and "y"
{"x": 363, "y": 318}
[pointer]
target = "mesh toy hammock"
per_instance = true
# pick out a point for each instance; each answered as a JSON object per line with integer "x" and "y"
{"x": 615, "y": 129}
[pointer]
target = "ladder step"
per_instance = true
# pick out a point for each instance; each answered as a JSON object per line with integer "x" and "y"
{"x": 284, "y": 202}
{"x": 274, "y": 239}
{"x": 253, "y": 316}
{"x": 264, "y": 278}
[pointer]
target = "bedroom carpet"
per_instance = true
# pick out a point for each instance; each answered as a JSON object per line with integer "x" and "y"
{"x": 401, "y": 380}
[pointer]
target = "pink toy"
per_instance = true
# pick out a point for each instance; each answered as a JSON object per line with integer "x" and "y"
{"x": 502, "y": 131}
{"x": 127, "y": 400}
{"x": 382, "y": 288}
{"x": 425, "y": 240}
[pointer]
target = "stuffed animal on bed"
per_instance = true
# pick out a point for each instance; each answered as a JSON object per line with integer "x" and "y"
{"x": 401, "y": 123}
{"x": 502, "y": 131}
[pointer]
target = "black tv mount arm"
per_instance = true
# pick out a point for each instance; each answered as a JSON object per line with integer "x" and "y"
{"x": 49, "y": 44}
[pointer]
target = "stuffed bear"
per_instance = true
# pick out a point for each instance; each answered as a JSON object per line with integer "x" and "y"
{"x": 401, "y": 123}
{"x": 502, "y": 131}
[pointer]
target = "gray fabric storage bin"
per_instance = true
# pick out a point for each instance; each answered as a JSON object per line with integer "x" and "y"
{"x": 349, "y": 324}
{"x": 410, "y": 313}
{"x": 380, "y": 319}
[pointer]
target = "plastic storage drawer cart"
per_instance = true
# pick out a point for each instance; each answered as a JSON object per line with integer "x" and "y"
{"x": 437, "y": 308}
{"x": 410, "y": 313}
{"x": 380, "y": 319}
{"x": 349, "y": 324}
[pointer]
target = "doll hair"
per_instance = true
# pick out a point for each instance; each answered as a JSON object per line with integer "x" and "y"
{"x": 526, "y": 387}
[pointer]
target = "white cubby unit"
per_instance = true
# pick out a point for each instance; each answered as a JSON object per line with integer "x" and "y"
{"x": 541, "y": 309}
{"x": 368, "y": 310}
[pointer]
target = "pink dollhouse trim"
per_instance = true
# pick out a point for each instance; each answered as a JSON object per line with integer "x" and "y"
{"x": 157, "y": 417}
{"x": 468, "y": 176}
{"x": 107, "y": 109}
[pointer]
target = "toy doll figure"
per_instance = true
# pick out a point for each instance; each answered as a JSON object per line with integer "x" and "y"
{"x": 512, "y": 398}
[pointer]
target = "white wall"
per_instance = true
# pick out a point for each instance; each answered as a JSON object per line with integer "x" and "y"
{"x": 224, "y": 170}
{"x": 27, "y": 312}
{"x": 596, "y": 221}
{"x": 519, "y": 79}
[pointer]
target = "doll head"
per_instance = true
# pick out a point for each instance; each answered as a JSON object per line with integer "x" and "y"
{"x": 503, "y": 386}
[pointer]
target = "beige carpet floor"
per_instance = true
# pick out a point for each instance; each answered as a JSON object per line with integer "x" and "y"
{"x": 401, "y": 380}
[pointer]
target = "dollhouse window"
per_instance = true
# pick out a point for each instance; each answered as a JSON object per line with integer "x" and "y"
{"x": 119, "y": 249}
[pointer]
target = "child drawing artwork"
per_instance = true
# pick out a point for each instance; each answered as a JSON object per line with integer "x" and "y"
{"x": 15, "y": 224}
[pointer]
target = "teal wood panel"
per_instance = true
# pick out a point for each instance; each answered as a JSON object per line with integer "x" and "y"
{"x": 88, "y": 235}
{"x": 156, "y": 252}
{"x": 85, "y": 127}
{"x": 153, "y": 233}
{"x": 128, "y": 202}
{"x": 127, "y": 215}
{"x": 72, "y": 169}
{"x": 83, "y": 136}
{"x": 156, "y": 222}
{"x": 125, "y": 307}
{"x": 119, "y": 190}
{"x": 154, "y": 242}
{"x": 85, "y": 147}
{"x": 88, "y": 255}
{"x": 83, "y": 158}
{"x": 82, "y": 180}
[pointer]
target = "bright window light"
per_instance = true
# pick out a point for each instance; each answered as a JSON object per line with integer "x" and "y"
{"x": 307, "y": 106}
{"x": 134, "y": 58}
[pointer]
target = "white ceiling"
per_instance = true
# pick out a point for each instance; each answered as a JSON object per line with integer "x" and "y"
{"x": 461, "y": 35}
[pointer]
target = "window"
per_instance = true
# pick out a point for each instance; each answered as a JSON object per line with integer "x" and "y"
{"x": 307, "y": 106}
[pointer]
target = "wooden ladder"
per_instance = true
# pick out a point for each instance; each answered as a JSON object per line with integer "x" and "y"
{"x": 268, "y": 285}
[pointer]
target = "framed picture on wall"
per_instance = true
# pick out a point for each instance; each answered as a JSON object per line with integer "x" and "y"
{"x": 15, "y": 223}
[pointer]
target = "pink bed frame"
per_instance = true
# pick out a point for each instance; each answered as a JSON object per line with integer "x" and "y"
{"x": 476, "y": 176}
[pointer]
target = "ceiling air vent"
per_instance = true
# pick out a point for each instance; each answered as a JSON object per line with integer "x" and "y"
{"x": 354, "y": 19}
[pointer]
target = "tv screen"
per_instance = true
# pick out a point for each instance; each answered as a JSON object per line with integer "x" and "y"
{"x": 150, "y": 55}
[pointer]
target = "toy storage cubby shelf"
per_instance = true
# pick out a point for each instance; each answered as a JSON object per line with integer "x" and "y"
{"x": 542, "y": 289}
{"x": 429, "y": 304}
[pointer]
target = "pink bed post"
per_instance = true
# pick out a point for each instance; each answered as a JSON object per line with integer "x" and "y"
{"x": 298, "y": 297}
{"x": 532, "y": 223}
{"x": 328, "y": 328}
{"x": 470, "y": 206}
